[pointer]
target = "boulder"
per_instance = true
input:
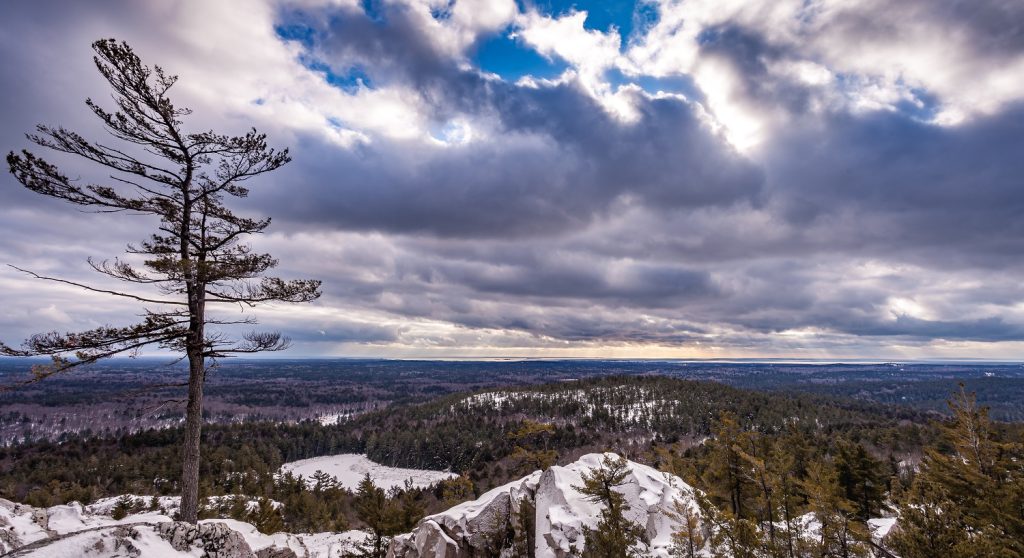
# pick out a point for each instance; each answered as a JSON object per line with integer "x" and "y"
{"x": 216, "y": 540}
{"x": 488, "y": 525}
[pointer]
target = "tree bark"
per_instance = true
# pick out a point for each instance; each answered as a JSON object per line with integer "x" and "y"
{"x": 193, "y": 431}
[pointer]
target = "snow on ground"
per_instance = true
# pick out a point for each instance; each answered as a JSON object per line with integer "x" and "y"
{"x": 168, "y": 505}
{"x": 350, "y": 468}
{"x": 650, "y": 494}
{"x": 880, "y": 526}
{"x": 562, "y": 512}
{"x": 309, "y": 545}
{"x": 90, "y": 531}
{"x": 105, "y": 544}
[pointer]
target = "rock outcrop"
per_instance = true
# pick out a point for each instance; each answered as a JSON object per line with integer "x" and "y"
{"x": 90, "y": 532}
{"x": 561, "y": 515}
{"x": 216, "y": 540}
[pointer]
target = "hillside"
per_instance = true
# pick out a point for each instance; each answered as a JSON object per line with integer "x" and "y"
{"x": 630, "y": 413}
{"x": 543, "y": 515}
{"x": 763, "y": 461}
{"x": 466, "y": 433}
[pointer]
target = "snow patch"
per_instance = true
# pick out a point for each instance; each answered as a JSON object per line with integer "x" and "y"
{"x": 350, "y": 468}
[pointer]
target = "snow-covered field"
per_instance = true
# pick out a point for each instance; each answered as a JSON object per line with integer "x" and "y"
{"x": 350, "y": 468}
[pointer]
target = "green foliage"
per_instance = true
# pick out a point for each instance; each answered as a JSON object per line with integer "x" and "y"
{"x": 615, "y": 535}
{"x": 524, "y": 542}
{"x": 456, "y": 490}
{"x": 841, "y": 533}
{"x": 731, "y": 536}
{"x": 687, "y": 540}
{"x": 758, "y": 470}
{"x": 409, "y": 507}
{"x": 373, "y": 509}
{"x": 266, "y": 517}
{"x": 122, "y": 507}
{"x": 862, "y": 477}
{"x": 725, "y": 475}
{"x": 970, "y": 501}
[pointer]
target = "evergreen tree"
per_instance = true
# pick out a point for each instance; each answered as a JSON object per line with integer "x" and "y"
{"x": 615, "y": 536}
{"x": 239, "y": 507}
{"x": 969, "y": 502}
{"x": 455, "y": 491}
{"x": 862, "y": 477}
{"x": 409, "y": 509}
{"x": 323, "y": 481}
{"x": 531, "y": 452}
{"x": 372, "y": 508}
{"x": 524, "y": 542}
{"x": 266, "y": 517}
{"x": 731, "y": 537}
{"x": 841, "y": 534}
{"x": 725, "y": 476}
{"x": 758, "y": 474}
{"x": 195, "y": 258}
{"x": 687, "y": 540}
{"x": 122, "y": 507}
{"x": 783, "y": 475}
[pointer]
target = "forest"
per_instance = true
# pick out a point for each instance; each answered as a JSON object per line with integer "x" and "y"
{"x": 760, "y": 458}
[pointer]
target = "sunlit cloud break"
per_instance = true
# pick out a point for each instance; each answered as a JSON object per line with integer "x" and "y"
{"x": 665, "y": 179}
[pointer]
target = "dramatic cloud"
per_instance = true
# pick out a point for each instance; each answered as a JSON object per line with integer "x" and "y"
{"x": 667, "y": 178}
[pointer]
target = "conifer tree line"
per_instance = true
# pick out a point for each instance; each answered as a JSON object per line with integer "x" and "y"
{"x": 777, "y": 496}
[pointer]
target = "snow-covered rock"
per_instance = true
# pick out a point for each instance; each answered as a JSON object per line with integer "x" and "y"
{"x": 77, "y": 530}
{"x": 562, "y": 514}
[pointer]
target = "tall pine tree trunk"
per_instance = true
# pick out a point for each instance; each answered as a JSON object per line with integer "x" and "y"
{"x": 195, "y": 349}
{"x": 193, "y": 431}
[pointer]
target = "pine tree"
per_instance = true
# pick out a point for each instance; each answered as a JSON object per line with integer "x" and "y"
{"x": 531, "y": 452}
{"x": 455, "y": 491}
{"x": 615, "y": 536}
{"x": 970, "y": 502}
{"x": 758, "y": 474}
{"x": 687, "y": 540}
{"x": 239, "y": 507}
{"x": 841, "y": 534}
{"x": 731, "y": 537}
{"x": 372, "y": 508}
{"x": 267, "y": 517}
{"x": 323, "y": 481}
{"x": 409, "y": 508}
{"x": 862, "y": 477}
{"x": 122, "y": 507}
{"x": 524, "y": 542}
{"x": 783, "y": 476}
{"x": 195, "y": 257}
{"x": 725, "y": 476}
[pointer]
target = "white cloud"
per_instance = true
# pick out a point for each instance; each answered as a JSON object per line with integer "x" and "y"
{"x": 590, "y": 52}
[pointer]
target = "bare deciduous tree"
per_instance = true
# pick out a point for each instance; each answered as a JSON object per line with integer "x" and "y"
{"x": 194, "y": 258}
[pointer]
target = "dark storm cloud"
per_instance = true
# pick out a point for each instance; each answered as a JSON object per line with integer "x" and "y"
{"x": 949, "y": 194}
{"x": 564, "y": 223}
{"x": 562, "y": 161}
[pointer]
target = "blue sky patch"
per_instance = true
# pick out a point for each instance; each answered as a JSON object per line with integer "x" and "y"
{"x": 925, "y": 108}
{"x": 512, "y": 60}
{"x": 601, "y": 15}
{"x": 669, "y": 84}
{"x": 349, "y": 80}
{"x": 297, "y": 32}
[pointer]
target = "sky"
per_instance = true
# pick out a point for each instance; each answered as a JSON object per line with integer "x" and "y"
{"x": 832, "y": 179}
